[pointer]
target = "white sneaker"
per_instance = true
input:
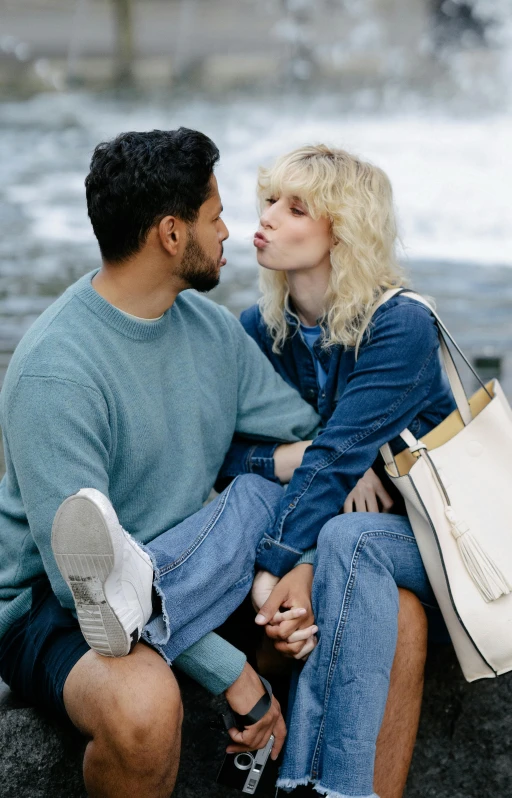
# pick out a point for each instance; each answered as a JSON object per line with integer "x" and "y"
{"x": 109, "y": 575}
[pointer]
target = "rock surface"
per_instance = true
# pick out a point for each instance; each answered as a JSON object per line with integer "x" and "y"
{"x": 463, "y": 748}
{"x": 465, "y": 736}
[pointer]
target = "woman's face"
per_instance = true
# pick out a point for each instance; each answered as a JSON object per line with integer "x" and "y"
{"x": 288, "y": 239}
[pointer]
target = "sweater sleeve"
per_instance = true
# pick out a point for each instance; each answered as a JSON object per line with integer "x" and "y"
{"x": 59, "y": 440}
{"x": 308, "y": 557}
{"x": 268, "y": 408}
{"x": 212, "y": 662}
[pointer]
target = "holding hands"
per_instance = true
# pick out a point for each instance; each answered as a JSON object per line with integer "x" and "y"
{"x": 284, "y": 605}
{"x": 284, "y": 608}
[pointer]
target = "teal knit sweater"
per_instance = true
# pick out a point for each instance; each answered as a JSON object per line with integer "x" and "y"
{"x": 143, "y": 412}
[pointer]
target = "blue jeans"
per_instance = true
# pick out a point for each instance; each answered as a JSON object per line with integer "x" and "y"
{"x": 204, "y": 567}
{"x": 338, "y": 700}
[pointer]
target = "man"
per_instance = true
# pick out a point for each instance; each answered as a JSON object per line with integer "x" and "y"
{"x": 117, "y": 411}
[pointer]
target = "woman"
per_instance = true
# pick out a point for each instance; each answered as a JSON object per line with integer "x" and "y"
{"x": 326, "y": 242}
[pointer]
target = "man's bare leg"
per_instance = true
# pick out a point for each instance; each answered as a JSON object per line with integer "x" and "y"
{"x": 130, "y": 708}
{"x": 395, "y": 743}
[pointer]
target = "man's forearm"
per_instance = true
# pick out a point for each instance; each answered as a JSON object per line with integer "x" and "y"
{"x": 213, "y": 663}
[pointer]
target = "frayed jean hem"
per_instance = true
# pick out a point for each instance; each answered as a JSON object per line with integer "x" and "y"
{"x": 289, "y": 784}
{"x": 158, "y": 629}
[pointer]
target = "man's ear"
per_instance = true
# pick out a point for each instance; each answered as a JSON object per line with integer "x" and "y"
{"x": 170, "y": 232}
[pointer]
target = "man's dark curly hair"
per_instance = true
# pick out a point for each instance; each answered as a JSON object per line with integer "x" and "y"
{"x": 139, "y": 178}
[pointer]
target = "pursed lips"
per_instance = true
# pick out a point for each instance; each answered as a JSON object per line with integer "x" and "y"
{"x": 260, "y": 240}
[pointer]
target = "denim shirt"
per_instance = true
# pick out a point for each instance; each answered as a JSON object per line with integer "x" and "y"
{"x": 396, "y": 382}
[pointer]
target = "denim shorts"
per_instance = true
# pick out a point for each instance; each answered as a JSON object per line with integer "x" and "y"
{"x": 39, "y": 650}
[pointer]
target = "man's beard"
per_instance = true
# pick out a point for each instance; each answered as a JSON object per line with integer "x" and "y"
{"x": 197, "y": 268}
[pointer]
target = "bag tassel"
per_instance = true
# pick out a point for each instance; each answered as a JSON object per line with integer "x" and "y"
{"x": 490, "y": 581}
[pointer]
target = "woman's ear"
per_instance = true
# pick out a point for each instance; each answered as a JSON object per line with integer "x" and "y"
{"x": 334, "y": 238}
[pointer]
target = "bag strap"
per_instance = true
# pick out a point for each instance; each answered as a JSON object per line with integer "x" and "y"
{"x": 452, "y": 373}
{"x": 445, "y": 334}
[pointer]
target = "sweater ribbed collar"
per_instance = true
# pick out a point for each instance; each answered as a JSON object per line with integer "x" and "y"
{"x": 130, "y": 327}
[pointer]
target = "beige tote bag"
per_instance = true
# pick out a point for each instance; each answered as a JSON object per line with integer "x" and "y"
{"x": 457, "y": 486}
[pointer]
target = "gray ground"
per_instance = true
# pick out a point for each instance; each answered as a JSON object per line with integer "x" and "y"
{"x": 463, "y": 748}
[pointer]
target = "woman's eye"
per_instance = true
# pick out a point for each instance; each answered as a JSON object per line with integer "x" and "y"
{"x": 297, "y": 212}
{"x": 270, "y": 200}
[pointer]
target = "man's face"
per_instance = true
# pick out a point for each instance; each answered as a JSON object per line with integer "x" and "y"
{"x": 203, "y": 255}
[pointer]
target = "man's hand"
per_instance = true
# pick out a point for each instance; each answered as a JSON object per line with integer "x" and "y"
{"x": 299, "y": 644}
{"x": 242, "y": 696}
{"x": 367, "y": 494}
{"x": 292, "y": 629}
{"x": 287, "y": 458}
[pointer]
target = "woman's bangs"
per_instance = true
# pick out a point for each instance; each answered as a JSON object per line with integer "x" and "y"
{"x": 296, "y": 180}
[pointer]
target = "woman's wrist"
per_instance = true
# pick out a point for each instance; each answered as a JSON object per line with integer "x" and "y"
{"x": 282, "y": 463}
{"x": 288, "y": 457}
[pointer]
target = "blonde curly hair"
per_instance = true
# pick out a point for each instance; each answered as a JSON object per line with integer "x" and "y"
{"x": 357, "y": 199}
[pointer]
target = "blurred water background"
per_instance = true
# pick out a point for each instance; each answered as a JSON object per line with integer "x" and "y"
{"x": 421, "y": 87}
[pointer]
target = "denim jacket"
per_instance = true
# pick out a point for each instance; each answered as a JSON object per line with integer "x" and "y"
{"x": 396, "y": 382}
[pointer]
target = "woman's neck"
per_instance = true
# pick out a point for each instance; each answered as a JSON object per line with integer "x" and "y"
{"x": 307, "y": 292}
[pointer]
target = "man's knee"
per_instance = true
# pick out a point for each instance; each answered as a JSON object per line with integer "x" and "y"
{"x": 129, "y": 706}
{"x": 145, "y": 730}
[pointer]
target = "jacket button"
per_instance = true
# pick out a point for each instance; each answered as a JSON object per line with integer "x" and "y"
{"x": 267, "y": 545}
{"x": 310, "y": 393}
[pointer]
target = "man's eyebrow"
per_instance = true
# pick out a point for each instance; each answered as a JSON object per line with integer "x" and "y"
{"x": 221, "y": 209}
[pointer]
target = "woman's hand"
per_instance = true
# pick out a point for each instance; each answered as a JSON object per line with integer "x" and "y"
{"x": 366, "y": 496}
{"x": 262, "y": 587}
{"x": 287, "y": 458}
{"x": 242, "y": 696}
{"x": 292, "y": 629}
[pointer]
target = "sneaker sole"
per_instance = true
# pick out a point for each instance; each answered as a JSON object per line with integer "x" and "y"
{"x": 87, "y": 542}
